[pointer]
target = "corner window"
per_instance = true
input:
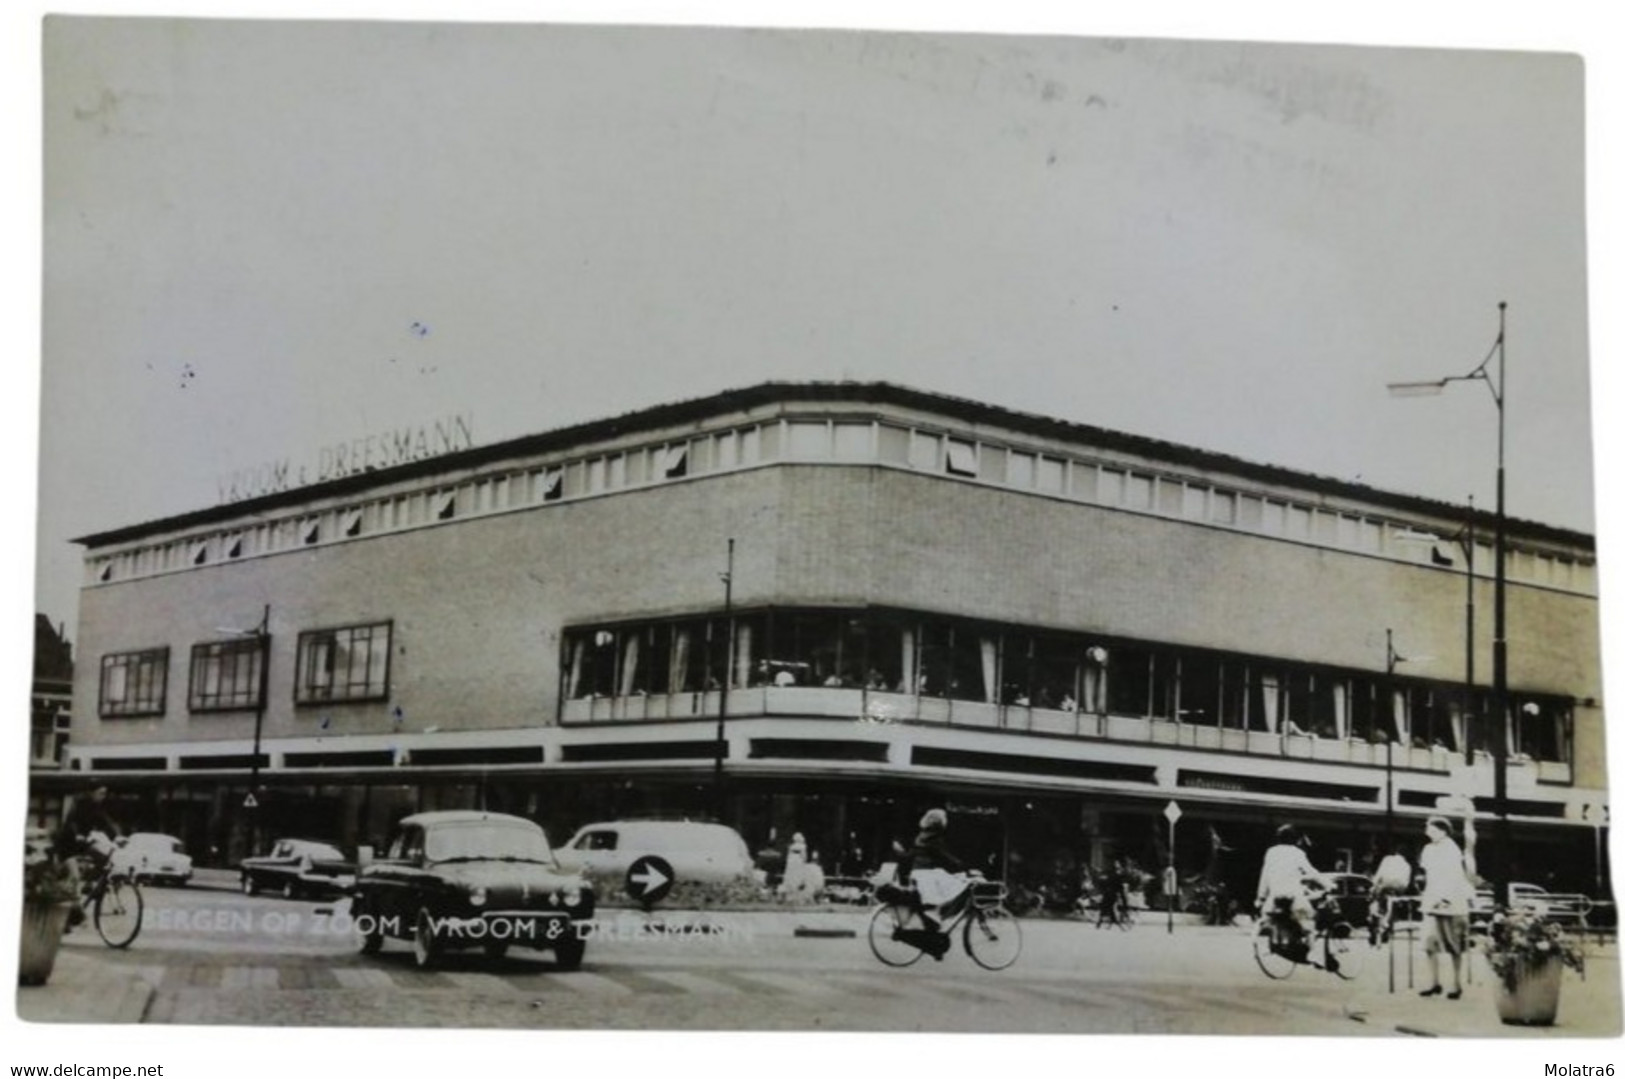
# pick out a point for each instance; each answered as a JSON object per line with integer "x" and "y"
{"x": 133, "y": 683}
{"x": 227, "y": 675}
{"x": 350, "y": 663}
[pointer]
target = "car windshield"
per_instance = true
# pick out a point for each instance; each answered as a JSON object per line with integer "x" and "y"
{"x": 320, "y": 850}
{"x": 498, "y": 840}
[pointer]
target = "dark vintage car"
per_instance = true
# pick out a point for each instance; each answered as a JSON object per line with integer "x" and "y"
{"x": 299, "y": 868}
{"x": 469, "y": 879}
{"x": 1351, "y": 892}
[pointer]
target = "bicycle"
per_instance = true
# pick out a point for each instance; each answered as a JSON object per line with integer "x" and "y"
{"x": 1279, "y": 947}
{"x": 110, "y": 899}
{"x": 990, "y": 933}
{"x": 1113, "y": 909}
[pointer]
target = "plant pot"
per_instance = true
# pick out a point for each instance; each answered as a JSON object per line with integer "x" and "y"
{"x": 42, "y": 937}
{"x": 1533, "y": 1001}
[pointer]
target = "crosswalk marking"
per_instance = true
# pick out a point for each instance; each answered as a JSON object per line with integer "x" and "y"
{"x": 476, "y": 982}
{"x": 692, "y": 983}
{"x": 362, "y": 978}
{"x": 944, "y": 989}
{"x": 794, "y": 984}
{"x": 248, "y": 978}
{"x": 585, "y": 982}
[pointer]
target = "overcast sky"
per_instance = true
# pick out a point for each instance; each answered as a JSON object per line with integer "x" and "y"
{"x": 262, "y": 238}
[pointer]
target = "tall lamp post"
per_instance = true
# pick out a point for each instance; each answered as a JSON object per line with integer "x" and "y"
{"x": 727, "y": 676}
{"x": 1496, "y": 384}
{"x": 262, "y": 637}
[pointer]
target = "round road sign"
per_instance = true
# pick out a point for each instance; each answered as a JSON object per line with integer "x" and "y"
{"x": 648, "y": 879}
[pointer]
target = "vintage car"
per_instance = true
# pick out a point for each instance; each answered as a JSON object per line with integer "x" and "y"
{"x": 154, "y": 858}
{"x": 1352, "y": 894}
{"x": 469, "y": 879}
{"x": 298, "y": 868}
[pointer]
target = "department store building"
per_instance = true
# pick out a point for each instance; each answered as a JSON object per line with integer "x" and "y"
{"x": 826, "y": 607}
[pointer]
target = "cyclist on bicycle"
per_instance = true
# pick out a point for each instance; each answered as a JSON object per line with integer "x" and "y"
{"x": 1391, "y": 880}
{"x": 1286, "y": 873}
{"x": 1114, "y": 895}
{"x": 88, "y": 832}
{"x": 937, "y": 876}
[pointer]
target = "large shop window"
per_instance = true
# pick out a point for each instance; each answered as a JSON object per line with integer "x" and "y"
{"x": 346, "y": 664}
{"x": 133, "y": 683}
{"x": 227, "y": 675}
{"x": 933, "y": 656}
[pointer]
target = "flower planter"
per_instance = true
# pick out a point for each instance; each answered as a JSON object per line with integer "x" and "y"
{"x": 1533, "y": 1002}
{"x": 43, "y": 924}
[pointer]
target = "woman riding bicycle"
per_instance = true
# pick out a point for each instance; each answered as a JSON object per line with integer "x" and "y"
{"x": 1286, "y": 873}
{"x": 937, "y": 876}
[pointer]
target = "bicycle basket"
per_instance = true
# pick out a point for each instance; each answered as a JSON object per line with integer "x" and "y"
{"x": 985, "y": 894}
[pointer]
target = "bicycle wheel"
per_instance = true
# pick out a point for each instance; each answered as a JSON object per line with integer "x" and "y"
{"x": 117, "y": 912}
{"x": 1271, "y": 962}
{"x": 888, "y": 926}
{"x": 992, "y": 937}
{"x": 1348, "y": 946}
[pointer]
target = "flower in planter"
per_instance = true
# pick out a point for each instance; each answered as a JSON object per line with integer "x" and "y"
{"x": 1521, "y": 938}
{"x": 46, "y": 878}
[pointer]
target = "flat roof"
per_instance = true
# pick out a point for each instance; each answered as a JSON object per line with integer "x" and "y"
{"x": 692, "y": 410}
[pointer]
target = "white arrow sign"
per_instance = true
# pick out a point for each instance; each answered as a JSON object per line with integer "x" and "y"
{"x": 1172, "y": 812}
{"x": 650, "y": 879}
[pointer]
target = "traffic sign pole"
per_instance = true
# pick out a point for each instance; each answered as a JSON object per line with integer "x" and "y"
{"x": 1170, "y": 879}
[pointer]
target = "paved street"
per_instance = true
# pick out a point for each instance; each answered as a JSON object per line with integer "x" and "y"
{"x": 214, "y": 957}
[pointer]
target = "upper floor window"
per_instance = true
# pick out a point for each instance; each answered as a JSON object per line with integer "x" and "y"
{"x": 133, "y": 683}
{"x": 350, "y": 663}
{"x": 228, "y": 675}
{"x": 961, "y": 458}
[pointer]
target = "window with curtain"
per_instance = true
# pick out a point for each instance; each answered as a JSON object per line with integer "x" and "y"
{"x": 133, "y": 683}
{"x": 349, "y": 663}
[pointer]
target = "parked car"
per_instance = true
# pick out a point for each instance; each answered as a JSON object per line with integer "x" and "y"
{"x": 697, "y": 851}
{"x": 299, "y": 868}
{"x": 152, "y": 857}
{"x": 468, "y": 879}
{"x": 1520, "y": 895}
{"x": 1352, "y": 894}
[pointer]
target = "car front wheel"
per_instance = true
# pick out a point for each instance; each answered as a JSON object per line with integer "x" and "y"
{"x": 426, "y": 943}
{"x": 249, "y": 887}
{"x": 570, "y": 950}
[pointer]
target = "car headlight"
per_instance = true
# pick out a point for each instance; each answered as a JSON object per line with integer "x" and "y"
{"x": 477, "y": 897}
{"x": 572, "y": 894}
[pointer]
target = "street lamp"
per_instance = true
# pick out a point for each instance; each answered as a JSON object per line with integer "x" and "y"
{"x": 727, "y": 676}
{"x": 1498, "y": 694}
{"x": 262, "y": 634}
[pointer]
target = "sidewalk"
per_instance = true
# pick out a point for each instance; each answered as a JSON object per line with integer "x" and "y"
{"x": 1588, "y": 1008}
{"x": 84, "y": 989}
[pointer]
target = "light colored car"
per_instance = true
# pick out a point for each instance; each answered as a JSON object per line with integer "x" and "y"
{"x": 696, "y": 851}
{"x": 155, "y": 858}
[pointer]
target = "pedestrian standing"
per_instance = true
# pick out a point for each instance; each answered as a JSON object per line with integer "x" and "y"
{"x": 1447, "y": 895}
